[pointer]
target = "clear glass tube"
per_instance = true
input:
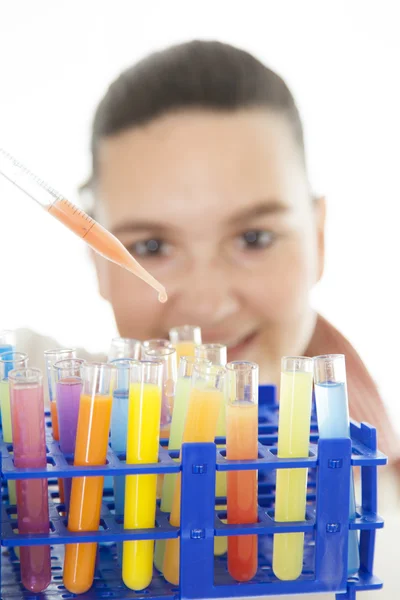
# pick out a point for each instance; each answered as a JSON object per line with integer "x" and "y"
{"x": 334, "y": 422}
{"x": 7, "y": 341}
{"x": 293, "y": 442}
{"x": 8, "y": 361}
{"x": 145, "y": 394}
{"x": 50, "y": 357}
{"x": 124, "y": 348}
{"x": 68, "y": 378}
{"x": 27, "y": 416}
{"x": 216, "y": 353}
{"x": 242, "y": 444}
{"x": 185, "y": 339}
{"x": 98, "y": 383}
{"x": 154, "y": 344}
{"x": 206, "y": 397}
{"x": 168, "y": 357}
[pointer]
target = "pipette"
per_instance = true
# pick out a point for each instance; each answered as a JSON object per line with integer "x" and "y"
{"x": 96, "y": 236}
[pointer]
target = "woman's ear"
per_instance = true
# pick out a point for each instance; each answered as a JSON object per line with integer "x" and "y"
{"x": 101, "y": 267}
{"x": 320, "y": 214}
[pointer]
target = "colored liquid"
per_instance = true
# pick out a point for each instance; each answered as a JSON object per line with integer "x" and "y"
{"x": 27, "y": 414}
{"x": 184, "y": 349}
{"x": 201, "y": 426}
{"x": 333, "y": 422}
{"x": 221, "y": 543}
{"x": 140, "y": 490}
{"x": 5, "y": 411}
{"x": 86, "y": 494}
{"x": 54, "y": 419}
{"x": 291, "y": 484}
{"x": 181, "y": 402}
{"x": 242, "y": 444}
{"x": 119, "y": 426}
{"x": 68, "y": 393}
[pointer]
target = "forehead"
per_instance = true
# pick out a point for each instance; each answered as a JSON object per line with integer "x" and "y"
{"x": 210, "y": 161}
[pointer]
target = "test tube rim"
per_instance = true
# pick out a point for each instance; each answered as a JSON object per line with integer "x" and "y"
{"x": 164, "y": 351}
{"x": 177, "y": 329}
{"x": 320, "y": 356}
{"x": 304, "y": 359}
{"x": 23, "y": 356}
{"x": 58, "y": 351}
{"x": 253, "y": 366}
{"x": 129, "y": 361}
{"x": 36, "y": 377}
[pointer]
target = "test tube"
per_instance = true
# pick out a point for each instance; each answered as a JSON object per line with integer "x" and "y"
{"x": 333, "y": 422}
{"x": 168, "y": 357}
{"x": 293, "y": 442}
{"x": 185, "y": 339}
{"x": 242, "y": 444}
{"x": 217, "y": 354}
{"x": 7, "y": 341}
{"x": 68, "y": 377}
{"x": 124, "y": 348}
{"x": 206, "y": 397}
{"x": 154, "y": 344}
{"x": 9, "y": 360}
{"x": 182, "y": 393}
{"x": 28, "y": 428}
{"x": 90, "y": 449}
{"x": 145, "y": 393}
{"x": 119, "y": 428}
{"x": 50, "y": 357}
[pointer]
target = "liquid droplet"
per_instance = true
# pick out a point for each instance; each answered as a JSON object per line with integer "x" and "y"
{"x": 162, "y": 297}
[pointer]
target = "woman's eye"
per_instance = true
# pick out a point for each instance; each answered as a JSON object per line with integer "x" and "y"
{"x": 255, "y": 239}
{"x": 152, "y": 247}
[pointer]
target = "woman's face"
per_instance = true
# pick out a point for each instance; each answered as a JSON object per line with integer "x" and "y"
{"x": 217, "y": 207}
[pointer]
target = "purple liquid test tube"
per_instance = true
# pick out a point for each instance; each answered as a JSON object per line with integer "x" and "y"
{"x": 29, "y": 445}
{"x": 68, "y": 378}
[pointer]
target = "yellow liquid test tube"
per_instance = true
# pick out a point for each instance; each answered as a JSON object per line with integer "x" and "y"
{"x": 8, "y": 361}
{"x": 217, "y": 354}
{"x": 145, "y": 394}
{"x": 98, "y": 381}
{"x": 185, "y": 339}
{"x": 206, "y": 397}
{"x": 181, "y": 402}
{"x": 293, "y": 442}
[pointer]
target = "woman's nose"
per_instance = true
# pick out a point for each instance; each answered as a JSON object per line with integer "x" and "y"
{"x": 204, "y": 296}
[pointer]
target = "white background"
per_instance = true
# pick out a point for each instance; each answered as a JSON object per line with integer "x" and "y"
{"x": 341, "y": 60}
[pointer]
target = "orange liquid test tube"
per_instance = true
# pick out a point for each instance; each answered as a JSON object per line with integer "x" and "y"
{"x": 206, "y": 397}
{"x": 185, "y": 339}
{"x": 86, "y": 494}
{"x": 242, "y": 444}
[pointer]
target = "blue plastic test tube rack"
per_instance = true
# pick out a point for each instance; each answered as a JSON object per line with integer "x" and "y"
{"x": 203, "y": 575}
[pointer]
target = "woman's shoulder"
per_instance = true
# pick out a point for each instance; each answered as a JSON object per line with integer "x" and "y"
{"x": 365, "y": 402}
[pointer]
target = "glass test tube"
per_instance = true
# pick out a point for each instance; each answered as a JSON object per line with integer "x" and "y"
{"x": 68, "y": 378}
{"x": 168, "y": 357}
{"x": 119, "y": 428}
{"x": 145, "y": 393}
{"x": 206, "y": 397}
{"x": 50, "y": 357}
{"x": 90, "y": 449}
{"x": 154, "y": 344}
{"x": 293, "y": 442}
{"x": 28, "y": 427}
{"x": 242, "y": 444}
{"x": 217, "y": 354}
{"x": 9, "y": 360}
{"x": 181, "y": 402}
{"x": 7, "y": 341}
{"x": 185, "y": 339}
{"x": 333, "y": 422}
{"x": 124, "y": 348}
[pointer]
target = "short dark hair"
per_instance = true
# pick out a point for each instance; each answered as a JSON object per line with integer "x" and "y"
{"x": 197, "y": 74}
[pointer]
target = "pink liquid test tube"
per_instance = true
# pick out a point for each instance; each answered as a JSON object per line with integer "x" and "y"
{"x": 29, "y": 445}
{"x": 68, "y": 378}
